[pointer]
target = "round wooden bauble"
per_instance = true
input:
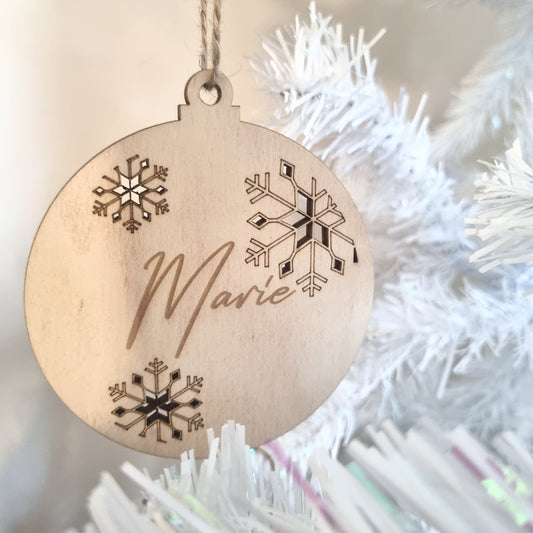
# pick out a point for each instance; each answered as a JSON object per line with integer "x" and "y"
{"x": 197, "y": 271}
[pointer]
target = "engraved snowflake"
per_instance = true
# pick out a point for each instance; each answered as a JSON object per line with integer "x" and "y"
{"x": 130, "y": 193}
{"x": 310, "y": 221}
{"x": 159, "y": 406}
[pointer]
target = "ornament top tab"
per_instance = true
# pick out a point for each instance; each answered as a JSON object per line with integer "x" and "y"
{"x": 197, "y": 271}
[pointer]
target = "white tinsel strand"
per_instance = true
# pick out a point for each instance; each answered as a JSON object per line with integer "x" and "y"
{"x": 504, "y": 221}
{"x": 435, "y": 317}
{"x": 496, "y": 97}
{"x": 402, "y": 482}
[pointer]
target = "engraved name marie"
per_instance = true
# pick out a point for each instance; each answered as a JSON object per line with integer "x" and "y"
{"x": 179, "y": 287}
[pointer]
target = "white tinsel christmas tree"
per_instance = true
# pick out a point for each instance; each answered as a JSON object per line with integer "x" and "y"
{"x": 446, "y": 342}
{"x": 440, "y": 330}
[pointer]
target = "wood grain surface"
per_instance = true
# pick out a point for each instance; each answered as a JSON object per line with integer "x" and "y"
{"x": 197, "y": 271}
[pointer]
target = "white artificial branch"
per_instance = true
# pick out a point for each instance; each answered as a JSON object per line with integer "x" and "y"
{"x": 419, "y": 481}
{"x": 496, "y": 96}
{"x": 504, "y": 221}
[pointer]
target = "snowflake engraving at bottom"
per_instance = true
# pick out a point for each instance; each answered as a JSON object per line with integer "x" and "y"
{"x": 159, "y": 406}
{"x": 311, "y": 221}
{"x": 130, "y": 194}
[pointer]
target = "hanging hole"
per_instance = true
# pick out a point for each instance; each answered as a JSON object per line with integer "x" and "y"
{"x": 218, "y": 93}
{"x": 210, "y": 95}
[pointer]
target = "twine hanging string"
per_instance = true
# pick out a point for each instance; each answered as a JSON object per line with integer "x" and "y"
{"x": 210, "y": 54}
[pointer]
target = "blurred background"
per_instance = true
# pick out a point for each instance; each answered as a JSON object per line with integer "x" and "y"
{"x": 78, "y": 75}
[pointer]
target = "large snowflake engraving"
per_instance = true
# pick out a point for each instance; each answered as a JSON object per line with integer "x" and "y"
{"x": 311, "y": 221}
{"x": 131, "y": 194}
{"x": 159, "y": 406}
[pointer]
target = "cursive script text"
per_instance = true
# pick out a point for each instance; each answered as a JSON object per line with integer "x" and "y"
{"x": 223, "y": 299}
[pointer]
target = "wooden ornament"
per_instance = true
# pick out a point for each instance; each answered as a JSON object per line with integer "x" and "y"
{"x": 196, "y": 271}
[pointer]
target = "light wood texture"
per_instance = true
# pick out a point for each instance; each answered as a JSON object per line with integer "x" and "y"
{"x": 197, "y": 271}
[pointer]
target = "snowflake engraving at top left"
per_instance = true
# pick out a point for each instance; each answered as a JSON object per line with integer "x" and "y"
{"x": 158, "y": 406}
{"x": 130, "y": 194}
